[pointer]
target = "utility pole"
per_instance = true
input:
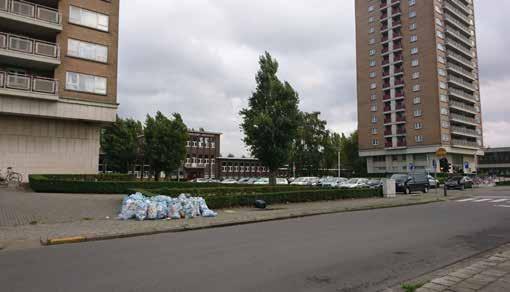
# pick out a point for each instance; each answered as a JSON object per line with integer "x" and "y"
{"x": 339, "y": 169}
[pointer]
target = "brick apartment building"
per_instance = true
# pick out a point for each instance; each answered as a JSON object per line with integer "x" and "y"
{"x": 58, "y": 83}
{"x": 417, "y": 80}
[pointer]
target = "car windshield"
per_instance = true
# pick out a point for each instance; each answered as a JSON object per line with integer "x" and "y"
{"x": 300, "y": 179}
{"x": 352, "y": 181}
{"x": 362, "y": 180}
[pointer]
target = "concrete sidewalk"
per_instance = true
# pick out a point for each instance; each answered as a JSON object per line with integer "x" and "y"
{"x": 491, "y": 273}
{"x": 26, "y": 236}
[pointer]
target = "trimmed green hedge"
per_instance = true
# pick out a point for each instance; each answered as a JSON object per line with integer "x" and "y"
{"x": 101, "y": 185}
{"x": 85, "y": 177}
{"x": 503, "y": 183}
{"x": 310, "y": 195}
{"x": 245, "y": 189}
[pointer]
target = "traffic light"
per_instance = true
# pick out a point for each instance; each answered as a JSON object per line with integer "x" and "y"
{"x": 444, "y": 165}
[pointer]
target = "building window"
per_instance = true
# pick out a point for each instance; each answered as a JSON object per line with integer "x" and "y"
{"x": 373, "y": 108}
{"x": 440, "y": 34}
{"x": 371, "y": 30}
{"x": 414, "y": 38}
{"x": 445, "y": 137}
{"x": 412, "y": 26}
{"x": 441, "y": 72}
{"x": 416, "y": 87}
{"x": 439, "y": 22}
{"x": 415, "y": 62}
{"x": 373, "y": 85}
{"x": 372, "y": 63}
{"x": 373, "y": 97}
{"x": 412, "y": 14}
{"x": 374, "y": 120}
{"x": 444, "y": 111}
{"x": 443, "y": 97}
{"x": 417, "y": 113}
{"x": 371, "y": 41}
{"x": 443, "y": 85}
{"x": 371, "y": 52}
{"x": 414, "y": 51}
{"x": 445, "y": 124}
{"x": 85, "y": 83}
{"x": 412, "y": 2}
{"x": 441, "y": 59}
{"x": 88, "y": 18}
{"x": 370, "y": 8}
{"x": 87, "y": 50}
{"x": 374, "y": 131}
{"x": 441, "y": 47}
{"x": 375, "y": 142}
{"x": 416, "y": 100}
{"x": 371, "y": 19}
{"x": 372, "y": 74}
{"x": 418, "y": 126}
{"x": 418, "y": 139}
{"x": 416, "y": 75}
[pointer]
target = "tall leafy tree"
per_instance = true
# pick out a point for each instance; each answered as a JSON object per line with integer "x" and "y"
{"x": 350, "y": 155}
{"x": 309, "y": 145}
{"x": 165, "y": 143}
{"x": 332, "y": 145}
{"x": 119, "y": 142}
{"x": 270, "y": 122}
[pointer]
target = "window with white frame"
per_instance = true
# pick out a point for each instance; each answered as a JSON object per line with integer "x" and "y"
{"x": 372, "y": 74}
{"x": 373, "y": 85}
{"x": 412, "y": 2}
{"x": 443, "y": 97}
{"x": 419, "y": 139}
{"x": 371, "y": 30}
{"x": 439, "y": 22}
{"x": 441, "y": 72}
{"x": 373, "y": 108}
{"x": 414, "y": 51}
{"x": 371, "y": 52}
{"x": 441, "y": 47}
{"x": 445, "y": 137}
{"x": 418, "y": 126}
{"x": 416, "y": 87}
{"x": 371, "y": 19}
{"x": 443, "y": 85}
{"x": 416, "y": 75}
{"x": 85, "y": 83}
{"x": 412, "y": 26}
{"x": 374, "y": 119}
{"x": 375, "y": 142}
{"x": 85, "y": 50}
{"x": 415, "y": 62}
{"x": 412, "y": 14}
{"x": 373, "y": 97}
{"x": 370, "y": 8}
{"x": 374, "y": 131}
{"x": 416, "y": 100}
{"x": 441, "y": 59}
{"x": 440, "y": 34}
{"x": 445, "y": 124}
{"x": 372, "y": 63}
{"x": 444, "y": 111}
{"x": 371, "y": 41}
{"x": 88, "y": 18}
{"x": 417, "y": 113}
{"x": 414, "y": 38}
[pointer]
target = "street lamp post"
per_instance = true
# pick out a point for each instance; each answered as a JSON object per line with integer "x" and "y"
{"x": 339, "y": 169}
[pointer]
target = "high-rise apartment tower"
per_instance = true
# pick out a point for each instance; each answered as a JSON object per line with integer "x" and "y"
{"x": 58, "y": 83}
{"x": 417, "y": 81}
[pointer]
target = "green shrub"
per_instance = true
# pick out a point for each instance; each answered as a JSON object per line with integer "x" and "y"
{"x": 109, "y": 184}
{"x": 503, "y": 183}
{"x": 301, "y": 196}
{"x": 245, "y": 189}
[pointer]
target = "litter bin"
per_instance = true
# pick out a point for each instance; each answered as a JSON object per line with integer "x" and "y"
{"x": 389, "y": 188}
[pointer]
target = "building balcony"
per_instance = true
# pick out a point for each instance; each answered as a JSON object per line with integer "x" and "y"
{"x": 386, "y": 97}
{"x": 395, "y": 11}
{"x": 460, "y": 59}
{"x": 398, "y": 59}
{"x": 385, "y": 50}
{"x": 387, "y": 109}
{"x": 459, "y": 47}
{"x": 384, "y": 39}
{"x": 400, "y": 106}
{"x": 399, "y": 82}
{"x": 464, "y": 132}
{"x": 465, "y": 143}
{"x": 401, "y": 131}
{"x": 28, "y": 86}
{"x": 463, "y": 107}
{"x": 386, "y": 73}
{"x": 384, "y": 27}
{"x": 388, "y": 145}
{"x": 459, "y": 70}
{"x": 26, "y": 52}
{"x": 461, "y": 82}
{"x": 466, "y": 8}
{"x": 29, "y": 17}
{"x": 384, "y": 5}
{"x": 399, "y": 95}
{"x": 395, "y": 2}
{"x": 461, "y": 94}
{"x": 384, "y": 16}
{"x": 385, "y": 62}
{"x": 388, "y": 133}
{"x": 462, "y": 15}
{"x": 387, "y": 121}
{"x": 386, "y": 85}
{"x": 401, "y": 119}
{"x": 458, "y": 24}
{"x": 459, "y": 36}
{"x": 401, "y": 144}
{"x": 463, "y": 119}
{"x": 396, "y": 23}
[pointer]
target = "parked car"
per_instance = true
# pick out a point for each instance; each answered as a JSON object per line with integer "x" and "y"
{"x": 281, "y": 181}
{"x": 332, "y": 182}
{"x": 375, "y": 183}
{"x": 243, "y": 180}
{"x": 306, "y": 181}
{"x": 262, "y": 181}
{"x": 355, "y": 183}
{"x": 434, "y": 183}
{"x": 459, "y": 182}
{"x": 252, "y": 180}
{"x": 229, "y": 181}
{"x": 408, "y": 183}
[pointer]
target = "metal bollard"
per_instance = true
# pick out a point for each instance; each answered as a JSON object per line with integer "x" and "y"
{"x": 445, "y": 191}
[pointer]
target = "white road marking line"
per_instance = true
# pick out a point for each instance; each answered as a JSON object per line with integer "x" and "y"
{"x": 503, "y": 206}
{"x": 482, "y": 200}
{"x": 500, "y": 200}
{"x": 467, "y": 200}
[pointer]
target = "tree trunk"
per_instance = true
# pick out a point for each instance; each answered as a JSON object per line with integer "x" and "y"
{"x": 272, "y": 177}
{"x": 157, "y": 172}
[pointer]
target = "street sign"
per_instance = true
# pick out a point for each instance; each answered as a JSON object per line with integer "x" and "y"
{"x": 411, "y": 166}
{"x": 466, "y": 165}
{"x": 441, "y": 152}
{"x": 434, "y": 164}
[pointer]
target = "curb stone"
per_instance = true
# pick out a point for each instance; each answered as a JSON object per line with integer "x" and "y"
{"x": 80, "y": 239}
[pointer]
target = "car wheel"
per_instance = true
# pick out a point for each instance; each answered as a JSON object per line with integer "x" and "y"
{"x": 426, "y": 190}
{"x": 407, "y": 191}
{"x": 462, "y": 187}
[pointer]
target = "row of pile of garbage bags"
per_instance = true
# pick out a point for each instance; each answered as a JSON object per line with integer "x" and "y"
{"x": 140, "y": 207}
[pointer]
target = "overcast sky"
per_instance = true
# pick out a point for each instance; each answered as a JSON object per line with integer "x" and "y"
{"x": 199, "y": 58}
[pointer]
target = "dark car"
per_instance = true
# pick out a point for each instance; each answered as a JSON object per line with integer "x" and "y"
{"x": 408, "y": 183}
{"x": 375, "y": 183}
{"x": 459, "y": 183}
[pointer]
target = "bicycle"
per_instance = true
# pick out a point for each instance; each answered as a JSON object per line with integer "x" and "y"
{"x": 11, "y": 177}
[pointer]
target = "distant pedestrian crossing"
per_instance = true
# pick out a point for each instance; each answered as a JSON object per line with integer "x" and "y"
{"x": 499, "y": 202}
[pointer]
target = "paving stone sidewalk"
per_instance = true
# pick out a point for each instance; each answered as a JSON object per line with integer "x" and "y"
{"x": 489, "y": 274}
{"x": 24, "y": 236}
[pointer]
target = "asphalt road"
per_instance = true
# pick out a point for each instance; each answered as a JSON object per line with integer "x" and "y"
{"x": 358, "y": 251}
